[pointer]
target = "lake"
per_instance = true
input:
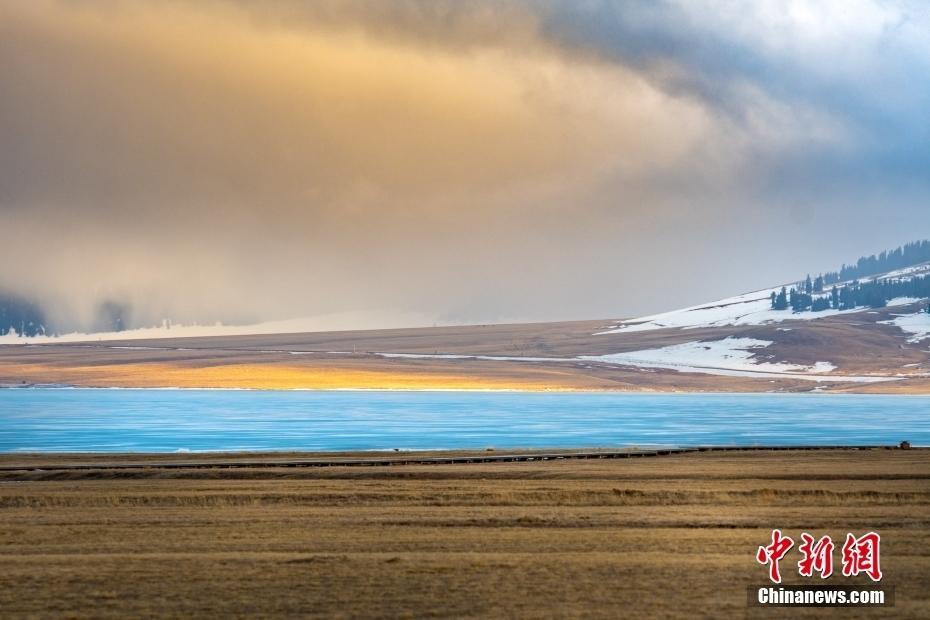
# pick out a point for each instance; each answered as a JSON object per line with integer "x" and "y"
{"x": 102, "y": 420}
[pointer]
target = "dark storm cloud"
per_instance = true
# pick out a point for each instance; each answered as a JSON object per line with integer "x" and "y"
{"x": 466, "y": 161}
{"x": 863, "y": 63}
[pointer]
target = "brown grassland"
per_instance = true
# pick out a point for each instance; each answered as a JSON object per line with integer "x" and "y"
{"x": 670, "y": 536}
{"x": 540, "y": 356}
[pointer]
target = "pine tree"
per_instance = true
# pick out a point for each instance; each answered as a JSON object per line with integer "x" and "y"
{"x": 808, "y": 285}
{"x": 781, "y": 300}
{"x": 820, "y": 304}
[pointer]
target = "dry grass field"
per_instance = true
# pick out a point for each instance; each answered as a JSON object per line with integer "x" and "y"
{"x": 661, "y": 537}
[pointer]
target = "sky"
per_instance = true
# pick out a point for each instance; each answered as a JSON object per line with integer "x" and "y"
{"x": 403, "y": 163}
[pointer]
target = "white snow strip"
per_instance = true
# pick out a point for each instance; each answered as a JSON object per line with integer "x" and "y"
{"x": 322, "y": 323}
{"x": 733, "y": 357}
{"x": 905, "y": 274}
{"x": 916, "y": 324}
{"x": 139, "y": 348}
{"x": 493, "y": 358}
{"x": 749, "y": 309}
{"x": 730, "y": 354}
{"x": 730, "y": 357}
{"x": 903, "y": 301}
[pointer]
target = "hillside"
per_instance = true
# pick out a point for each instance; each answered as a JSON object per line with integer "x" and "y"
{"x": 742, "y": 343}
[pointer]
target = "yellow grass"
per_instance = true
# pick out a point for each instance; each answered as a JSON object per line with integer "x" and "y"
{"x": 667, "y": 537}
{"x": 272, "y": 377}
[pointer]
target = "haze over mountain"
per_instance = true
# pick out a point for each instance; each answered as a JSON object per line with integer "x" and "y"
{"x": 862, "y": 328}
{"x": 872, "y": 281}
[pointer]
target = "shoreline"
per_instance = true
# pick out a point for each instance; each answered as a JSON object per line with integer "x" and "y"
{"x": 269, "y": 458}
{"x": 461, "y": 390}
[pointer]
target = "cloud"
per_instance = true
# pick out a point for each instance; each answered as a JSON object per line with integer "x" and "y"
{"x": 471, "y": 161}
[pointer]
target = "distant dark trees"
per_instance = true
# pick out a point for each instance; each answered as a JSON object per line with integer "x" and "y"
{"x": 780, "y": 301}
{"x": 25, "y": 317}
{"x": 904, "y": 256}
{"x": 819, "y": 304}
{"x": 799, "y": 302}
{"x": 856, "y": 293}
{"x": 875, "y": 294}
{"x": 21, "y": 315}
{"x": 871, "y": 294}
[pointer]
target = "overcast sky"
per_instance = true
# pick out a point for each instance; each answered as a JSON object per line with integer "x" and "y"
{"x": 413, "y": 162}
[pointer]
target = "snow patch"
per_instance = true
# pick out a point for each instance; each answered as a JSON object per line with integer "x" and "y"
{"x": 907, "y": 273}
{"x": 903, "y": 301}
{"x": 734, "y": 357}
{"x": 730, "y": 356}
{"x": 916, "y": 324}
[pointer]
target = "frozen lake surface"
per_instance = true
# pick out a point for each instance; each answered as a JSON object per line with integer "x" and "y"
{"x": 223, "y": 420}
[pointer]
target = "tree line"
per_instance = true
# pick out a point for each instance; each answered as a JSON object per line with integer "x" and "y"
{"x": 825, "y": 291}
{"x": 907, "y": 255}
{"x": 872, "y": 294}
{"x": 26, "y": 318}
{"x": 20, "y": 315}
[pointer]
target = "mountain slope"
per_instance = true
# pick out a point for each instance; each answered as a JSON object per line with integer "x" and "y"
{"x": 735, "y": 344}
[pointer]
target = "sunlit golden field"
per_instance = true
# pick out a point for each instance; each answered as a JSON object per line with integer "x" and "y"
{"x": 280, "y": 377}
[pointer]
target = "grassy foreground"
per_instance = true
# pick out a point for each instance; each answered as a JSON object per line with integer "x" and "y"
{"x": 662, "y": 537}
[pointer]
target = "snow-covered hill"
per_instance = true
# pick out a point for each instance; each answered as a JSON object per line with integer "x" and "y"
{"x": 754, "y": 309}
{"x": 731, "y": 355}
{"x": 735, "y": 344}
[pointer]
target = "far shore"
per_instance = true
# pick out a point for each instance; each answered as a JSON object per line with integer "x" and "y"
{"x": 542, "y": 357}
